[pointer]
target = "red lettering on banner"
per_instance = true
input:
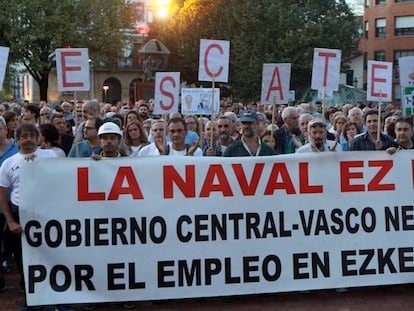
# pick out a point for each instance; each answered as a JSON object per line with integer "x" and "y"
{"x": 374, "y": 184}
{"x": 375, "y": 79}
{"x": 209, "y": 48}
{"x": 276, "y": 74}
{"x": 166, "y": 93}
{"x": 304, "y": 180}
{"x": 385, "y": 167}
{"x": 273, "y": 184}
{"x": 65, "y": 69}
{"x": 346, "y": 176}
{"x": 248, "y": 188}
{"x": 172, "y": 177}
{"x": 125, "y": 173}
{"x": 216, "y": 170}
{"x": 327, "y": 55}
{"x": 83, "y": 187}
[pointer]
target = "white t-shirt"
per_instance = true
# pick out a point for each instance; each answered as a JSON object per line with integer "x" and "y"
{"x": 10, "y": 172}
{"x": 308, "y": 147}
{"x": 152, "y": 150}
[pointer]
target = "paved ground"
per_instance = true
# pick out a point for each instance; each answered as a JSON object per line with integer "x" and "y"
{"x": 390, "y": 298}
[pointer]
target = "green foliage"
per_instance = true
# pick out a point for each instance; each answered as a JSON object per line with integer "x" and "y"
{"x": 260, "y": 31}
{"x": 34, "y": 29}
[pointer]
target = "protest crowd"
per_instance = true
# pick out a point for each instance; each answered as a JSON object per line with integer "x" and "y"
{"x": 93, "y": 129}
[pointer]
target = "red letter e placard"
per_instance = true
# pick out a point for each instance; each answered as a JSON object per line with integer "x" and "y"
{"x": 379, "y": 81}
{"x": 72, "y": 67}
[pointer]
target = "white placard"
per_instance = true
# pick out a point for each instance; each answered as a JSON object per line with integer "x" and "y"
{"x": 199, "y": 101}
{"x": 406, "y": 68}
{"x": 214, "y": 60}
{"x": 275, "y": 83}
{"x": 72, "y": 67}
{"x": 4, "y": 56}
{"x": 379, "y": 81}
{"x": 326, "y": 69}
{"x": 167, "y": 91}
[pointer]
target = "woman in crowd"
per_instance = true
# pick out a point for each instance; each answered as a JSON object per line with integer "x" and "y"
{"x": 350, "y": 131}
{"x": 11, "y": 121}
{"x": 48, "y": 138}
{"x": 135, "y": 137}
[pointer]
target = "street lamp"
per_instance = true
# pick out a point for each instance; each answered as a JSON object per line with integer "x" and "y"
{"x": 105, "y": 88}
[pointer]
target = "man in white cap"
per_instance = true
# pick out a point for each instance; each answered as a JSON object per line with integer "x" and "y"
{"x": 110, "y": 136}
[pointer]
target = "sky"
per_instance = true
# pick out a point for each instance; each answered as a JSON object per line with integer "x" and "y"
{"x": 357, "y": 6}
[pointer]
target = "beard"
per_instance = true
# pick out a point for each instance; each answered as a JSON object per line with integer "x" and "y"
{"x": 319, "y": 143}
{"x": 249, "y": 133}
{"x": 224, "y": 135}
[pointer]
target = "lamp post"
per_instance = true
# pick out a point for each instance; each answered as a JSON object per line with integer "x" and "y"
{"x": 105, "y": 88}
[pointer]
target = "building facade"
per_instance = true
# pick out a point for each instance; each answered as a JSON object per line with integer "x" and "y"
{"x": 388, "y": 34}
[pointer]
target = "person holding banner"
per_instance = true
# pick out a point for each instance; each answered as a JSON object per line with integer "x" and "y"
{"x": 250, "y": 144}
{"x": 317, "y": 133}
{"x": 369, "y": 140}
{"x": 27, "y": 137}
{"x": 403, "y": 135}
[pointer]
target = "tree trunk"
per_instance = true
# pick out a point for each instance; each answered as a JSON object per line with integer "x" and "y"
{"x": 43, "y": 86}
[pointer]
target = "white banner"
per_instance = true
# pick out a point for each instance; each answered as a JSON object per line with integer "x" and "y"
{"x": 214, "y": 60}
{"x": 379, "y": 81}
{"x": 275, "y": 83}
{"x": 167, "y": 91}
{"x": 4, "y": 56}
{"x": 141, "y": 229}
{"x": 72, "y": 66}
{"x": 199, "y": 101}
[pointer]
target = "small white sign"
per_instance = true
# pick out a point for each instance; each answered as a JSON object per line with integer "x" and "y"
{"x": 72, "y": 67}
{"x": 214, "y": 60}
{"x": 4, "y": 56}
{"x": 406, "y": 68}
{"x": 199, "y": 101}
{"x": 379, "y": 81}
{"x": 167, "y": 91}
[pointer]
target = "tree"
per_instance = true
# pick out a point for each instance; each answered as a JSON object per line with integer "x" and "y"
{"x": 34, "y": 29}
{"x": 260, "y": 31}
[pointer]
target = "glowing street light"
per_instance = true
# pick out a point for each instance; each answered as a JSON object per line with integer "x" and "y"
{"x": 163, "y": 8}
{"x": 105, "y": 88}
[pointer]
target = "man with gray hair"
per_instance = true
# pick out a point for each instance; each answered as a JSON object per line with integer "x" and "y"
{"x": 284, "y": 134}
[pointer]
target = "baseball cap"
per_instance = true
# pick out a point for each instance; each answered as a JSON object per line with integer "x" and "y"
{"x": 109, "y": 128}
{"x": 248, "y": 116}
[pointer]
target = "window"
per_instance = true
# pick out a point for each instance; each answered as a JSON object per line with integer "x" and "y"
{"x": 380, "y": 27}
{"x": 397, "y": 55}
{"x": 397, "y": 92}
{"x": 404, "y": 1}
{"x": 404, "y": 25}
{"x": 380, "y": 2}
{"x": 366, "y": 30}
{"x": 379, "y": 56}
